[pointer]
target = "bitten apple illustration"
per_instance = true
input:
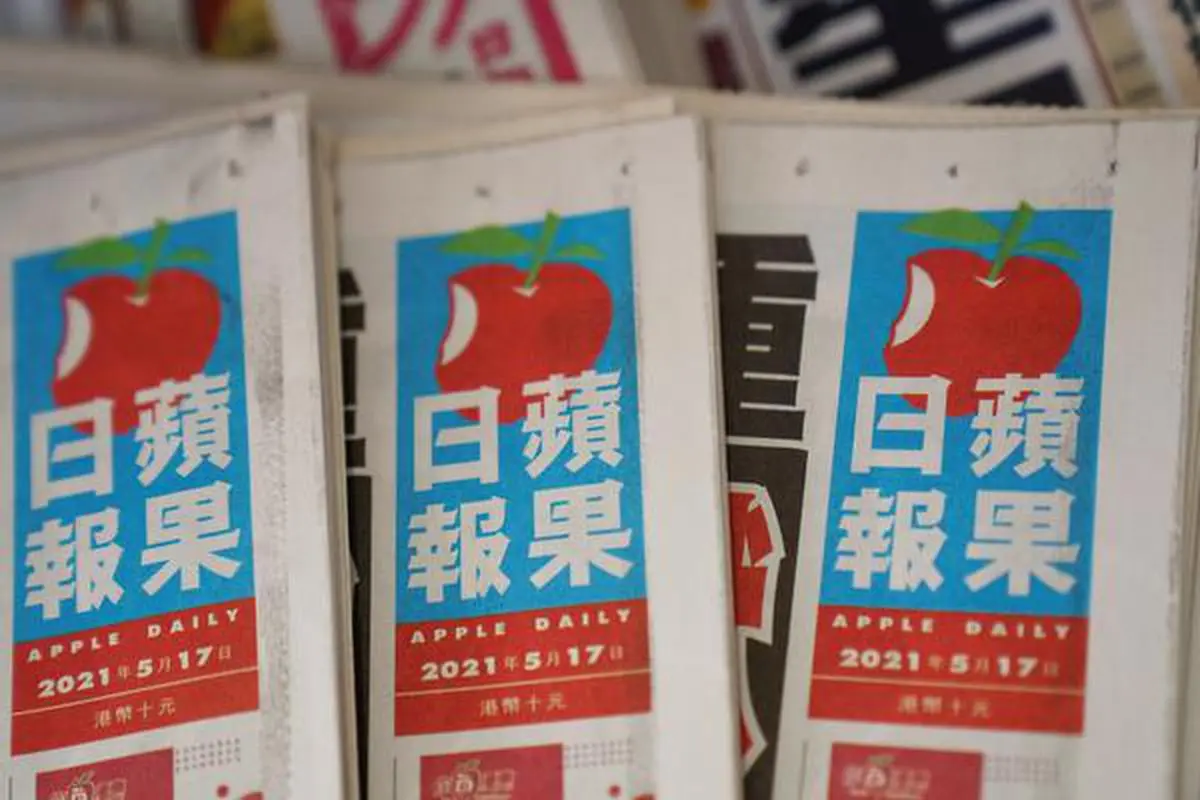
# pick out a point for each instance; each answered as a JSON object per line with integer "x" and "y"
{"x": 509, "y": 327}
{"x": 967, "y": 317}
{"x": 121, "y": 334}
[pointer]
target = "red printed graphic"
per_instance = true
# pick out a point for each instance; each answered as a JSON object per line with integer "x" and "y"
{"x": 145, "y": 775}
{"x": 459, "y": 23}
{"x": 122, "y": 335}
{"x": 521, "y": 773}
{"x": 963, "y": 669}
{"x": 510, "y": 327}
{"x": 224, "y": 793}
{"x": 522, "y": 668}
{"x": 143, "y": 675}
{"x": 616, "y": 793}
{"x": 757, "y": 549}
{"x": 959, "y": 309}
{"x": 860, "y": 772}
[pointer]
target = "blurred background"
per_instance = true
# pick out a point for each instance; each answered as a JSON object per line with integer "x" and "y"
{"x": 1099, "y": 53}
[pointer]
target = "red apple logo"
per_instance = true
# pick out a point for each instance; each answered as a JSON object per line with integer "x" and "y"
{"x": 966, "y": 317}
{"x": 509, "y": 327}
{"x": 122, "y": 335}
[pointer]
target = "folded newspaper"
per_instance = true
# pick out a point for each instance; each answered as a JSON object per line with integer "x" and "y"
{"x": 955, "y": 557}
{"x": 957, "y": 412}
{"x": 1135, "y": 53}
{"x": 540, "y": 409}
{"x": 504, "y": 40}
{"x": 174, "y": 607}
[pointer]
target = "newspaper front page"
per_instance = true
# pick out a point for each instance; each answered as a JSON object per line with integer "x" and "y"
{"x": 535, "y": 417}
{"x": 1039, "y": 52}
{"x": 955, "y": 412}
{"x": 168, "y": 606}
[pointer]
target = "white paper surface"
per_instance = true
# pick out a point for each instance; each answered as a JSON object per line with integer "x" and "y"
{"x": 826, "y": 184}
{"x": 225, "y": 670}
{"x": 1038, "y": 52}
{"x": 648, "y": 176}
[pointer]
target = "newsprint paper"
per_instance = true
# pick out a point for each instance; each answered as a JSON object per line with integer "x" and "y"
{"x": 538, "y": 399}
{"x": 169, "y": 602}
{"x": 955, "y": 364}
{"x": 1136, "y": 53}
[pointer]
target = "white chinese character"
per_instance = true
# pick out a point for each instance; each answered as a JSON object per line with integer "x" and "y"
{"x": 204, "y": 417}
{"x": 576, "y": 527}
{"x": 50, "y": 559}
{"x": 97, "y": 555}
{"x": 88, "y": 452}
{"x": 1040, "y": 413}
{"x": 1023, "y": 535}
{"x": 904, "y": 545}
{"x": 929, "y": 425}
{"x": 438, "y": 546}
{"x": 482, "y": 404}
{"x": 864, "y": 545}
{"x": 433, "y": 542}
{"x": 483, "y": 556}
{"x": 73, "y": 561}
{"x": 187, "y": 531}
{"x": 999, "y": 423}
{"x": 595, "y": 419}
{"x": 193, "y": 415}
{"x": 593, "y": 426}
{"x": 157, "y": 430}
{"x": 917, "y": 540}
{"x": 546, "y": 422}
{"x": 1052, "y": 425}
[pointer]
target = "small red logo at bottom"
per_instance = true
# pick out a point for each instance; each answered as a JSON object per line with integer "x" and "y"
{"x": 867, "y": 772}
{"x": 522, "y": 773}
{"x": 146, "y": 776}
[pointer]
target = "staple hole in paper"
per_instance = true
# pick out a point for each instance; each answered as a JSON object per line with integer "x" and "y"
{"x": 263, "y": 124}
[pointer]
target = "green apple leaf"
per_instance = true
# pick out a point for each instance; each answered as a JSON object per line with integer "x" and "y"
{"x": 491, "y": 241}
{"x": 1050, "y": 247}
{"x": 955, "y": 225}
{"x": 106, "y": 252}
{"x": 578, "y": 251}
{"x": 188, "y": 254}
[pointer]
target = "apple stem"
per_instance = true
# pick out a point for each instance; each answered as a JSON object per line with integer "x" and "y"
{"x": 1012, "y": 237}
{"x": 151, "y": 256}
{"x": 542, "y": 248}
{"x": 143, "y": 281}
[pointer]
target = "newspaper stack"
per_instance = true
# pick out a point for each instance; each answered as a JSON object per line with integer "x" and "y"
{"x": 584, "y": 443}
{"x": 1037, "y": 52}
